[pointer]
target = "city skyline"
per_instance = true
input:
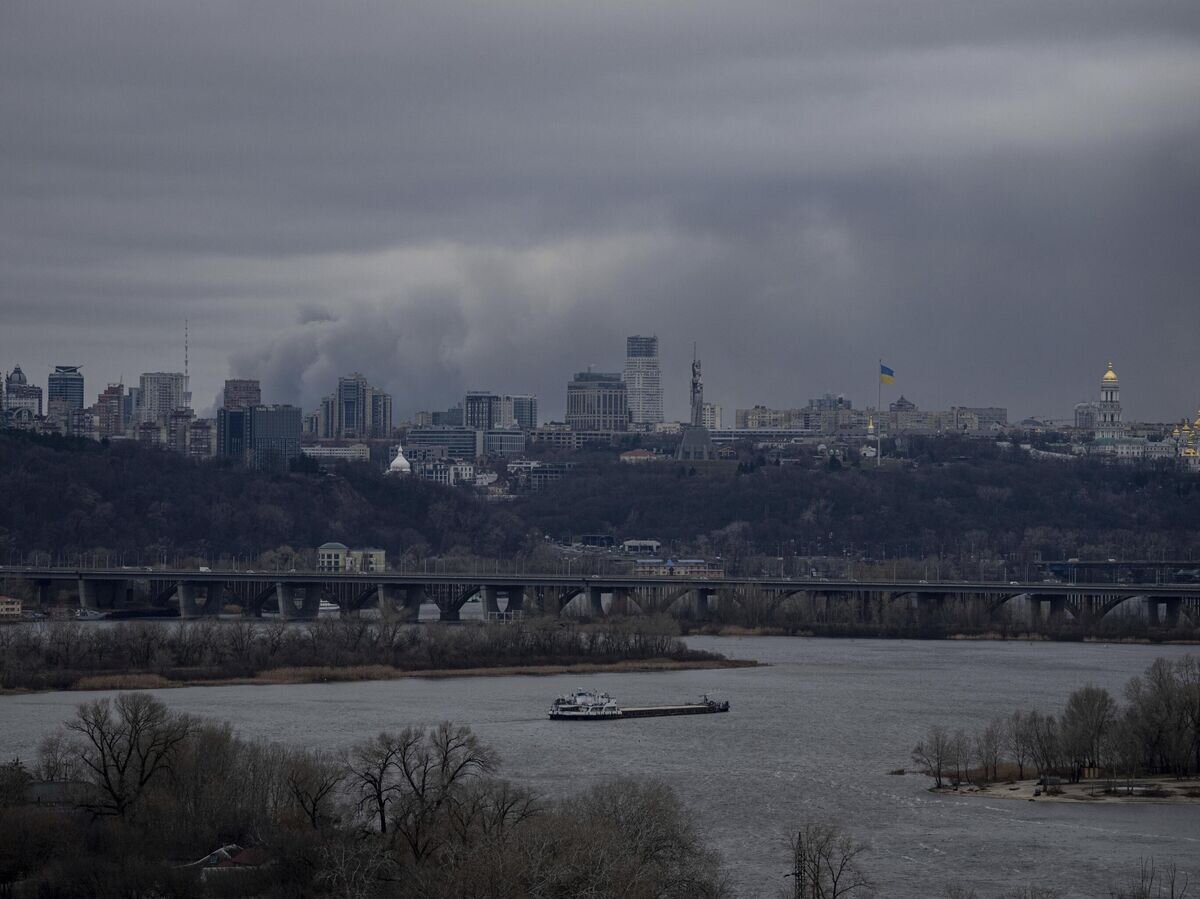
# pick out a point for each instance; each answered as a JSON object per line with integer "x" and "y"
{"x": 423, "y": 406}
{"x": 992, "y": 205}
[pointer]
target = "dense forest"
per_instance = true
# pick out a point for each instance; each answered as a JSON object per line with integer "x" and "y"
{"x": 950, "y": 499}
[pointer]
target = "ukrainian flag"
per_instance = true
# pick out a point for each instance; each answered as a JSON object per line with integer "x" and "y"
{"x": 886, "y": 375}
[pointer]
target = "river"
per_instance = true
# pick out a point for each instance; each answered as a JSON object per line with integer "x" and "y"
{"x": 810, "y": 737}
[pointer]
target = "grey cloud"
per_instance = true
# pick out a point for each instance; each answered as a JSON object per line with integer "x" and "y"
{"x": 996, "y": 197}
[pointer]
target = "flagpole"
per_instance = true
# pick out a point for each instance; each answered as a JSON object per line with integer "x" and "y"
{"x": 878, "y": 407}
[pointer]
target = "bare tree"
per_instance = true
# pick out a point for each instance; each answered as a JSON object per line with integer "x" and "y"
{"x": 1089, "y": 716}
{"x": 988, "y": 747}
{"x": 1045, "y": 745}
{"x": 1150, "y": 883}
{"x": 373, "y": 771}
{"x": 126, "y": 743}
{"x": 490, "y": 807}
{"x": 433, "y": 768}
{"x": 349, "y": 868}
{"x": 1017, "y": 741}
{"x": 961, "y": 750}
{"x": 825, "y": 864}
{"x": 58, "y": 758}
{"x": 933, "y": 753}
{"x": 312, "y": 779}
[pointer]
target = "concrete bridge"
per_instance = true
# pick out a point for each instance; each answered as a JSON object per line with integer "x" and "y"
{"x": 298, "y": 594}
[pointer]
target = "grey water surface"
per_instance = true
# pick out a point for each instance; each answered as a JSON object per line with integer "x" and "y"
{"x": 811, "y": 737}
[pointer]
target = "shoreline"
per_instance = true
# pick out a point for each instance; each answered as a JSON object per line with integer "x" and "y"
{"x": 1153, "y": 791}
{"x": 985, "y": 637}
{"x": 359, "y": 673}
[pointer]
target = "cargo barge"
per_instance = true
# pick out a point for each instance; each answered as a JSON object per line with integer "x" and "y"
{"x": 585, "y": 705}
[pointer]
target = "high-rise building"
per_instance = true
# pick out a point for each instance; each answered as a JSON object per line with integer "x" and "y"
{"x": 1085, "y": 416}
{"x": 66, "y": 383}
{"x": 242, "y": 393}
{"x": 521, "y": 410}
{"x": 597, "y": 401}
{"x": 481, "y": 410}
{"x": 161, "y": 393}
{"x": 643, "y": 380}
{"x": 179, "y": 423}
{"x": 201, "y": 440}
{"x": 711, "y": 416}
{"x": 274, "y": 436}
{"x": 132, "y": 407}
{"x": 356, "y": 410}
{"x": 232, "y": 432}
{"x": 110, "y": 411}
{"x": 260, "y": 436}
{"x": 451, "y": 418}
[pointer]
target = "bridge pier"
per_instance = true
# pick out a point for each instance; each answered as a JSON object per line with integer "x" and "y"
{"x": 491, "y": 606}
{"x": 189, "y": 608}
{"x": 1058, "y": 609}
{"x": 595, "y": 601}
{"x": 620, "y": 602}
{"x": 700, "y": 603}
{"x": 87, "y": 595}
{"x": 1172, "y": 604}
{"x": 310, "y": 604}
{"x": 516, "y": 599}
{"x": 398, "y": 601}
{"x": 95, "y": 594}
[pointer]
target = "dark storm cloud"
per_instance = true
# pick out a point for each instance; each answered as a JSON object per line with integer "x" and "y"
{"x": 996, "y": 197}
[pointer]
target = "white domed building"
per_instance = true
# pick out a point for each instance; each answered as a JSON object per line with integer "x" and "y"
{"x": 399, "y": 466}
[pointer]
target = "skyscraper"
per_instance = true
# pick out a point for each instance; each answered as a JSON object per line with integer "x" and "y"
{"x": 232, "y": 427}
{"x": 110, "y": 411}
{"x": 66, "y": 383}
{"x": 241, "y": 393}
{"x": 274, "y": 436}
{"x": 481, "y": 410}
{"x": 643, "y": 380}
{"x": 260, "y": 436}
{"x": 161, "y": 393}
{"x": 356, "y": 409}
{"x": 522, "y": 409}
{"x": 597, "y": 401}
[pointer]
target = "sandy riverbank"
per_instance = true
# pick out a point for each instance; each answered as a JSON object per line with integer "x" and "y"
{"x": 319, "y": 675}
{"x": 1144, "y": 790}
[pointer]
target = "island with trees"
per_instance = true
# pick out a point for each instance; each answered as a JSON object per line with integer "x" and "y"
{"x": 1096, "y": 749}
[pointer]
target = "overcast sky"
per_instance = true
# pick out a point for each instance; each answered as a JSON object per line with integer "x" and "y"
{"x": 996, "y": 198}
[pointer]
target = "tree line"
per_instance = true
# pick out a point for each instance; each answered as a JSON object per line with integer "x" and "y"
{"x": 58, "y": 654}
{"x": 1156, "y": 732}
{"x": 963, "y": 501}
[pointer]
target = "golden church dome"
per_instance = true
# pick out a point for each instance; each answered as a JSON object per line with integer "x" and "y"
{"x": 1110, "y": 375}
